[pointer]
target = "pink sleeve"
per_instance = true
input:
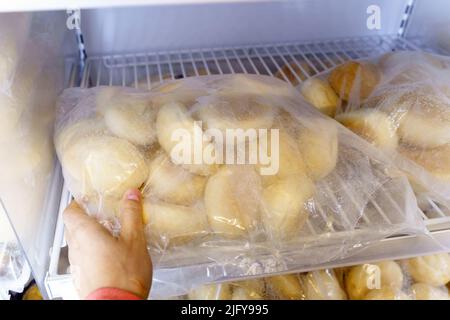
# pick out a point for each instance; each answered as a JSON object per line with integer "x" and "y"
{"x": 112, "y": 294}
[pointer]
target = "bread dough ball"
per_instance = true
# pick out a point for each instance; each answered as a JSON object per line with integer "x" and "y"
{"x": 354, "y": 80}
{"x": 286, "y": 287}
{"x": 425, "y": 120}
{"x": 435, "y": 160}
{"x": 249, "y": 290}
{"x": 176, "y": 132}
{"x": 172, "y": 183}
{"x": 372, "y": 125}
{"x": 386, "y": 293}
{"x": 433, "y": 270}
{"x": 423, "y": 291}
{"x": 320, "y": 94}
{"x": 184, "y": 91}
{"x": 232, "y": 200}
{"x": 69, "y": 134}
{"x": 322, "y": 285}
{"x": 131, "y": 117}
{"x": 104, "y": 165}
{"x": 289, "y": 158}
{"x": 249, "y": 84}
{"x": 221, "y": 291}
{"x": 393, "y": 60}
{"x": 284, "y": 206}
{"x": 318, "y": 145}
{"x": 239, "y": 112}
{"x": 295, "y": 71}
{"x": 360, "y": 280}
{"x": 170, "y": 224}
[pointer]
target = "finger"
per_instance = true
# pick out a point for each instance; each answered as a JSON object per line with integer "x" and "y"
{"x": 80, "y": 226}
{"x": 131, "y": 216}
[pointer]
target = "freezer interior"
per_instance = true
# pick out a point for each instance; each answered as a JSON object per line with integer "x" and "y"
{"x": 141, "y": 44}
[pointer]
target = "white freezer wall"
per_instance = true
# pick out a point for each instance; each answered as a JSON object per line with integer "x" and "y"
{"x": 430, "y": 22}
{"x": 31, "y": 44}
{"x": 152, "y": 28}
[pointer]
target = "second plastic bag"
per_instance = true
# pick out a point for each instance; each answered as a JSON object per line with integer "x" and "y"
{"x": 240, "y": 176}
{"x": 400, "y": 102}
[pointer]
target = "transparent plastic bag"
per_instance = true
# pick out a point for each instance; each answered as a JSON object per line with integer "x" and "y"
{"x": 314, "y": 285}
{"x": 400, "y": 102}
{"x": 274, "y": 185}
{"x": 419, "y": 278}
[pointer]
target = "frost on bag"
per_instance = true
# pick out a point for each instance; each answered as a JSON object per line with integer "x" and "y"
{"x": 239, "y": 175}
{"x": 419, "y": 278}
{"x": 401, "y": 103}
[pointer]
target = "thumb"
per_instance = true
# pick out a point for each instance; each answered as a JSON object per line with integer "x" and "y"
{"x": 132, "y": 226}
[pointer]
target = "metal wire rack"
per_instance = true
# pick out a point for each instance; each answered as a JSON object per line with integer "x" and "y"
{"x": 292, "y": 62}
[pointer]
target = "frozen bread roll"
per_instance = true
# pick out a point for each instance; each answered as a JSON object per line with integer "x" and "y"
{"x": 170, "y": 224}
{"x": 392, "y": 60}
{"x": 181, "y": 91}
{"x": 131, "y": 117}
{"x": 284, "y": 160}
{"x": 373, "y": 125}
{"x": 426, "y": 123}
{"x": 423, "y": 291}
{"x": 172, "y": 183}
{"x": 320, "y": 94}
{"x": 360, "y": 280}
{"x": 249, "y": 84}
{"x": 295, "y": 72}
{"x": 104, "y": 165}
{"x": 221, "y": 291}
{"x": 435, "y": 160}
{"x": 322, "y": 285}
{"x": 177, "y": 134}
{"x": 318, "y": 145}
{"x": 284, "y": 205}
{"x": 285, "y": 287}
{"x": 70, "y": 133}
{"x": 235, "y": 112}
{"x": 232, "y": 200}
{"x": 433, "y": 270}
{"x": 249, "y": 290}
{"x": 386, "y": 293}
{"x": 354, "y": 80}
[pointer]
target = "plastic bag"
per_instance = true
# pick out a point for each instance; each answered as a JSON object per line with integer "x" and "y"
{"x": 314, "y": 285}
{"x": 419, "y": 278}
{"x": 240, "y": 177}
{"x": 401, "y": 103}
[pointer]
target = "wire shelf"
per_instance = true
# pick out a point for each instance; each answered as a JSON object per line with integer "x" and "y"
{"x": 292, "y": 62}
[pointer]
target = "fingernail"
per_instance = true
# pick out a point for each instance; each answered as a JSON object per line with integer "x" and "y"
{"x": 133, "y": 194}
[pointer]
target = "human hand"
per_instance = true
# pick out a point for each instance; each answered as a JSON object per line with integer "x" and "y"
{"x": 99, "y": 260}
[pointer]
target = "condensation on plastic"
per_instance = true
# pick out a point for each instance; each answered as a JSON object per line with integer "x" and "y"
{"x": 419, "y": 278}
{"x": 28, "y": 87}
{"x": 400, "y": 102}
{"x": 331, "y": 195}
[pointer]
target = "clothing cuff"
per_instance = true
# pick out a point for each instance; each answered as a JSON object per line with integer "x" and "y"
{"x": 112, "y": 294}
